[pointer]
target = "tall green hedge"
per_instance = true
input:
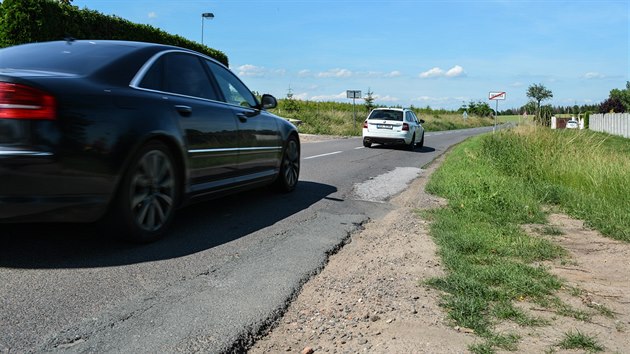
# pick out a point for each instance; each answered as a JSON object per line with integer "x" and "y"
{"x": 27, "y": 21}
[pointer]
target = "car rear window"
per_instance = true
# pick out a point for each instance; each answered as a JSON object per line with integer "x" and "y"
{"x": 386, "y": 115}
{"x": 80, "y": 57}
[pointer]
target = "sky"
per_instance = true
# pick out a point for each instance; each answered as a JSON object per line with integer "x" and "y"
{"x": 441, "y": 54}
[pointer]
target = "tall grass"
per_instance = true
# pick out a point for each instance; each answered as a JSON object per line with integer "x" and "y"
{"x": 487, "y": 256}
{"x": 495, "y": 183}
{"x": 585, "y": 173}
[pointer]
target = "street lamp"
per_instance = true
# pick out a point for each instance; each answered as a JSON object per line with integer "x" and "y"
{"x": 208, "y": 15}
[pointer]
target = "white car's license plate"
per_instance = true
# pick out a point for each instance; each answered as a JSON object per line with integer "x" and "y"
{"x": 383, "y": 126}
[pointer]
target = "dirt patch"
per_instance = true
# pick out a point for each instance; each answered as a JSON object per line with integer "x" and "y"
{"x": 314, "y": 138}
{"x": 370, "y": 297}
{"x": 596, "y": 271}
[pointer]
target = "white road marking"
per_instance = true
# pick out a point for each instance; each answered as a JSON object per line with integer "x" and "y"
{"x": 330, "y": 153}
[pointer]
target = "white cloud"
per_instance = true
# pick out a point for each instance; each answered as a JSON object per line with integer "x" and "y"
{"x": 301, "y": 96}
{"x": 329, "y": 97}
{"x": 335, "y": 73}
{"x": 593, "y": 75}
{"x": 387, "y": 98}
{"x": 455, "y": 71}
{"x": 250, "y": 70}
{"x": 435, "y": 72}
{"x": 152, "y": 14}
{"x": 304, "y": 73}
{"x": 431, "y": 99}
{"x": 394, "y": 73}
{"x": 517, "y": 84}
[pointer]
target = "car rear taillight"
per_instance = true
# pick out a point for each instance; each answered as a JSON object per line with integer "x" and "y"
{"x": 365, "y": 125}
{"x": 19, "y": 101}
{"x": 405, "y": 127}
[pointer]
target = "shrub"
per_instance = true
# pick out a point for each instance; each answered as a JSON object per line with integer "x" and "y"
{"x": 27, "y": 21}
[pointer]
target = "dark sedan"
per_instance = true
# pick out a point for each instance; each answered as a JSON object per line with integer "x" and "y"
{"x": 126, "y": 132}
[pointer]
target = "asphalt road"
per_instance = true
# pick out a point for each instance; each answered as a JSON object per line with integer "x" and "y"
{"x": 226, "y": 271}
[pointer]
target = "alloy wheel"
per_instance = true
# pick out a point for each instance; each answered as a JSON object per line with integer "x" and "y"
{"x": 152, "y": 191}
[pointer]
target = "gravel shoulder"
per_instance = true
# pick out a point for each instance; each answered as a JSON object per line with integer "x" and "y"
{"x": 370, "y": 297}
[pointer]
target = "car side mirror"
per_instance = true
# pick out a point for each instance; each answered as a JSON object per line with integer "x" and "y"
{"x": 268, "y": 101}
{"x": 421, "y": 121}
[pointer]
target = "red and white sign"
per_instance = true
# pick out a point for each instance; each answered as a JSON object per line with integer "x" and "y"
{"x": 498, "y": 95}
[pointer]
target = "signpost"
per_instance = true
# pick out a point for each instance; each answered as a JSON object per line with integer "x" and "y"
{"x": 354, "y": 94}
{"x": 496, "y": 96}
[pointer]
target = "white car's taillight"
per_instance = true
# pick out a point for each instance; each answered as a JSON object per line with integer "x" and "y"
{"x": 405, "y": 127}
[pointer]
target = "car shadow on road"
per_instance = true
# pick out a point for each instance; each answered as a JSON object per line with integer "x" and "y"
{"x": 423, "y": 149}
{"x": 196, "y": 228}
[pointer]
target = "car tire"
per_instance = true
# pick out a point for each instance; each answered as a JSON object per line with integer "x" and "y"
{"x": 412, "y": 143}
{"x": 289, "y": 167}
{"x": 147, "y": 197}
{"x": 366, "y": 143}
{"x": 421, "y": 143}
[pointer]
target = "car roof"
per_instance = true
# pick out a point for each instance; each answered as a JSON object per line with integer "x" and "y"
{"x": 72, "y": 57}
{"x": 105, "y": 42}
{"x": 108, "y": 59}
{"x": 391, "y": 109}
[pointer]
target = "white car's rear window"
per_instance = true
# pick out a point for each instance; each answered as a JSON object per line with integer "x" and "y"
{"x": 386, "y": 115}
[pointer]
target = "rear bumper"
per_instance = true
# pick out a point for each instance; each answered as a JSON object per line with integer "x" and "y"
{"x": 35, "y": 187}
{"x": 381, "y": 140}
{"x": 51, "y": 208}
{"x": 395, "y": 138}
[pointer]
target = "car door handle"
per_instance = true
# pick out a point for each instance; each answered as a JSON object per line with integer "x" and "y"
{"x": 184, "y": 111}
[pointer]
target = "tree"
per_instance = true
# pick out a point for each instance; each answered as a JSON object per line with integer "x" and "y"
{"x": 546, "y": 112}
{"x": 369, "y": 101}
{"x": 622, "y": 96}
{"x": 611, "y": 105}
{"x": 529, "y": 108}
{"x": 538, "y": 93}
{"x": 480, "y": 109}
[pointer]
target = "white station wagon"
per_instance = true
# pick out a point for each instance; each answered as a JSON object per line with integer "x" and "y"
{"x": 399, "y": 126}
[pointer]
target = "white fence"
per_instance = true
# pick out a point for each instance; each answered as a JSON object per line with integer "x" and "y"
{"x": 611, "y": 123}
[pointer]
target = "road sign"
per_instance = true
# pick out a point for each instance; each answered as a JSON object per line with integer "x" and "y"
{"x": 498, "y": 95}
{"x": 353, "y": 93}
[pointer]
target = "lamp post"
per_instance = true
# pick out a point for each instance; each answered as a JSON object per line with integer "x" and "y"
{"x": 208, "y": 15}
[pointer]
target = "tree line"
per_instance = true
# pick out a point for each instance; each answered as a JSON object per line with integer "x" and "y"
{"x": 618, "y": 101}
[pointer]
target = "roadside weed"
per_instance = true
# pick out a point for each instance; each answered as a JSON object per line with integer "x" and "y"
{"x": 551, "y": 230}
{"x": 578, "y": 340}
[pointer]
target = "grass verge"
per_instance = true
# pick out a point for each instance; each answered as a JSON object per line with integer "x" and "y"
{"x": 495, "y": 183}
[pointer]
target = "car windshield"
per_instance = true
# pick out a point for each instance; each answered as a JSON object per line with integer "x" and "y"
{"x": 80, "y": 58}
{"x": 386, "y": 115}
